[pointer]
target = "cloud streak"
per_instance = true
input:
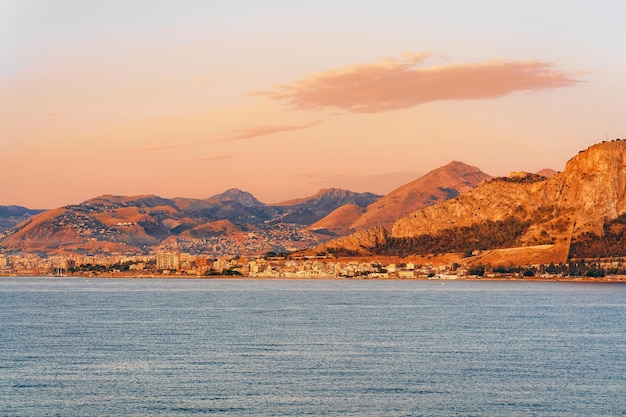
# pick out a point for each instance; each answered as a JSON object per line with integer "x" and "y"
{"x": 258, "y": 131}
{"x": 243, "y": 134}
{"x": 215, "y": 158}
{"x": 160, "y": 148}
{"x": 403, "y": 83}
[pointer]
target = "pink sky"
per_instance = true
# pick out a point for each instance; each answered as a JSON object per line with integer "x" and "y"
{"x": 190, "y": 100}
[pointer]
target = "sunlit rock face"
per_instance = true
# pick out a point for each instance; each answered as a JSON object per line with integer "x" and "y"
{"x": 582, "y": 198}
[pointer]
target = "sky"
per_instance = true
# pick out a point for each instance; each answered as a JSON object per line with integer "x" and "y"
{"x": 188, "y": 98}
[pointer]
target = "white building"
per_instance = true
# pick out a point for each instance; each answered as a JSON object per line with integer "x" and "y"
{"x": 167, "y": 260}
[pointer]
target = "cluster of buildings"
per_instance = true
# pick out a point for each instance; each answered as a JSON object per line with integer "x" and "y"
{"x": 329, "y": 268}
{"x": 181, "y": 264}
{"x": 169, "y": 263}
{"x": 185, "y": 264}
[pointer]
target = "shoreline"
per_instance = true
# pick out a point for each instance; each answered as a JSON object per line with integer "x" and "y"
{"x": 612, "y": 279}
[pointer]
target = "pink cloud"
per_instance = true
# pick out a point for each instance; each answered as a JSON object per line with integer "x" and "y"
{"x": 249, "y": 133}
{"x": 400, "y": 84}
{"x": 257, "y": 131}
{"x": 158, "y": 148}
{"x": 215, "y": 158}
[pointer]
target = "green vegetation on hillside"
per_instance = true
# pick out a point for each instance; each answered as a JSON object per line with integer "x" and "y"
{"x": 612, "y": 244}
{"x": 486, "y": 235}
{"x": 525, "y": 179}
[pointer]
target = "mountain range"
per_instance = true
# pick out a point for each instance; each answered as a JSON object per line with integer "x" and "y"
{"x": 454, "y": 208}
{"x": 233, "y": 222}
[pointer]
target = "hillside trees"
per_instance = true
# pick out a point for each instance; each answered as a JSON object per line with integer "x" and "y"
{"x": 482, "y": 236}
{"x": 612, "y": 244}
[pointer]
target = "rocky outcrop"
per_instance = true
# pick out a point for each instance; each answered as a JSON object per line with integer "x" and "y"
{"x": 588, "y": 193}
{"x": 536, "y": 215}
{"x": 494, "y": 200}
{"x": 593, "y": 185}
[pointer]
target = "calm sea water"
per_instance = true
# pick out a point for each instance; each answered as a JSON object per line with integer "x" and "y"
{"x": 76, "y": 347}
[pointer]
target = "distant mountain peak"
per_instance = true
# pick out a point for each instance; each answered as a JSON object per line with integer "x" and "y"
{"x": 438, "y": 185}
{"x": 12, "y": 215}
{"x": 17, "y": 211}
{"x": 458, "y": 164}
{"x": 144, "y": 200}
{"x": 235, "y": 194}
{"x": 332, "y": 196}
{"x": 457, "y": 168}
{"x": 332, "y": 190}
{"x": 547, "y": 172}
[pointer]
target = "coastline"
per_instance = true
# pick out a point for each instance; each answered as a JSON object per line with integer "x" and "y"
{"x": 587, "y": 280}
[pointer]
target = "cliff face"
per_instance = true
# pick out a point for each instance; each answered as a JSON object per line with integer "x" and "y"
{"x": 593, "y": 185}
{"x": 494, "y": 200}
{"x": 590, "y": 191}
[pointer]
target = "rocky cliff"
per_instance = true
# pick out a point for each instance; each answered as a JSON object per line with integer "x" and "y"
{"x": 588, "y": 193}
{"x": 538, "y": 216}
{"x": 593, "y": 185}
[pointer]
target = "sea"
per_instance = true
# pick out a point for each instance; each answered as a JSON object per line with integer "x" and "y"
{"x": 245, "y": 347}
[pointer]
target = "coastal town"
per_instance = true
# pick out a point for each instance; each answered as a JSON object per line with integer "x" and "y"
{"x": 271, "y": 265}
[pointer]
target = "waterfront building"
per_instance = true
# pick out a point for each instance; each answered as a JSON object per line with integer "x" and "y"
{"x": 167, "y": 261}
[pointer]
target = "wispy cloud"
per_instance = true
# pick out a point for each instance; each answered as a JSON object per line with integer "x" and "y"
{"x": 243, "y": 134}
{"x": 161, "y": 148}
{"x": 257, "y": 131}
{"x": 215, "y": 158}
{"x": 402, "y": 83}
